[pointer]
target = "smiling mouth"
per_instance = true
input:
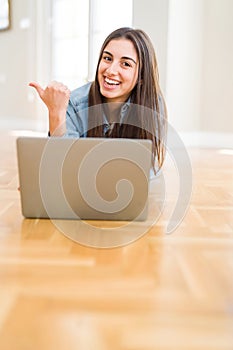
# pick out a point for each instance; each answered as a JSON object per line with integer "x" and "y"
{"x": 111, "y": 82}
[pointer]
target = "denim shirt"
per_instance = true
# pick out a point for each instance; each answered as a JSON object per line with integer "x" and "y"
{"x": 77, "y": 113}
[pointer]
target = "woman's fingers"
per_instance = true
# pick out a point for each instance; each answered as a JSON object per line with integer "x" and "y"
{"x": 56, "y": 95}
{"x": 38, "y": 88}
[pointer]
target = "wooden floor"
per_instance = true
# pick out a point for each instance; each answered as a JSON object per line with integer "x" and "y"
{"x": 163, "y": 291}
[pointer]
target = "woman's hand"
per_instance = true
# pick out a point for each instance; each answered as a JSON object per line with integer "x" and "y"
{"x": 56, "y": 97}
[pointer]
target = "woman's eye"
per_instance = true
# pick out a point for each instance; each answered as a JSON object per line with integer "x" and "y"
{"x": 106, "y": 58}
{"x": 126, "y": 64}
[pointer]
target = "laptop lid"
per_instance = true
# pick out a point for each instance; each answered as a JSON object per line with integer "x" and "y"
{"x": 86, "y": 178}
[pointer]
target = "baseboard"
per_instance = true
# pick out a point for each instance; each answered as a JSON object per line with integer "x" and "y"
{"x": 207, "y": 139}
{"x": 23, "y": 124}
{"x": 190, "y": 139}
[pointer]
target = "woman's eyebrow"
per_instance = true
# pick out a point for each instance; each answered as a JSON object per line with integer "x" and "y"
{"x": 124, "y": 57}
{"x": 129, "y": 58}
{"x": 108, "y": 53}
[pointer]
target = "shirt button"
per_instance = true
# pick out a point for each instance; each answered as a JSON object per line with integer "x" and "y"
{"x": 124, "y": 108}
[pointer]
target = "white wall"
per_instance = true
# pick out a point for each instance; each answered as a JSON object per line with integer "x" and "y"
{"x": 217, "y": 97}
{"x": 152, "y": 16}
{"x": 24, "y": 57}
{"x": 16, "y": 64}
{"x": 194, "y": 45}
{"x": 184, "y": 64}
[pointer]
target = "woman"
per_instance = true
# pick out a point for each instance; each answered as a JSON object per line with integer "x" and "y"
{"x": 124, "y": 100}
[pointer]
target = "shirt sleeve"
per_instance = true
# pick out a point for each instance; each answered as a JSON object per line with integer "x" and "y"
{"x": 73, "y": 122}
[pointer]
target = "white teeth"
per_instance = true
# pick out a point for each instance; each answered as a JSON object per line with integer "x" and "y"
{"x": 112, "y": 82}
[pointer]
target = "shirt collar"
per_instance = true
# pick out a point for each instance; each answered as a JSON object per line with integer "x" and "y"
{"x": 123, "y": 112}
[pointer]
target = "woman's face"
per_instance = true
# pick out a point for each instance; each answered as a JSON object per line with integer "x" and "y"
{"x": 118, "y": 70}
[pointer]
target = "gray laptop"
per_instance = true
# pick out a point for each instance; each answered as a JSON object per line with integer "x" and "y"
{"x": 86, "y": 178}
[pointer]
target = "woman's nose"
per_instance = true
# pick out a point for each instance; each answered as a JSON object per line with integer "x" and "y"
{"x": 112, "y": 68}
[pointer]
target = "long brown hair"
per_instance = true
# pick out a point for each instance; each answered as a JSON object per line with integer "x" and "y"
{"x": 147, "y": 115}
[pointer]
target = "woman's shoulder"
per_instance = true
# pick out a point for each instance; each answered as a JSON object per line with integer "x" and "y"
{"x": 80, "y": 95}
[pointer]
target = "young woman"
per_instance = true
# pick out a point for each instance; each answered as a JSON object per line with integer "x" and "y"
{"x": 124, "y": 100}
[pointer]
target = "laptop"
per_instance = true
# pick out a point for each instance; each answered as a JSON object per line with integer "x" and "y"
{"x": 85, "y": 178}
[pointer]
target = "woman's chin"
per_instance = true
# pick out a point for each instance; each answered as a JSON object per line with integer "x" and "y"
{"x": 108, "y": 94}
